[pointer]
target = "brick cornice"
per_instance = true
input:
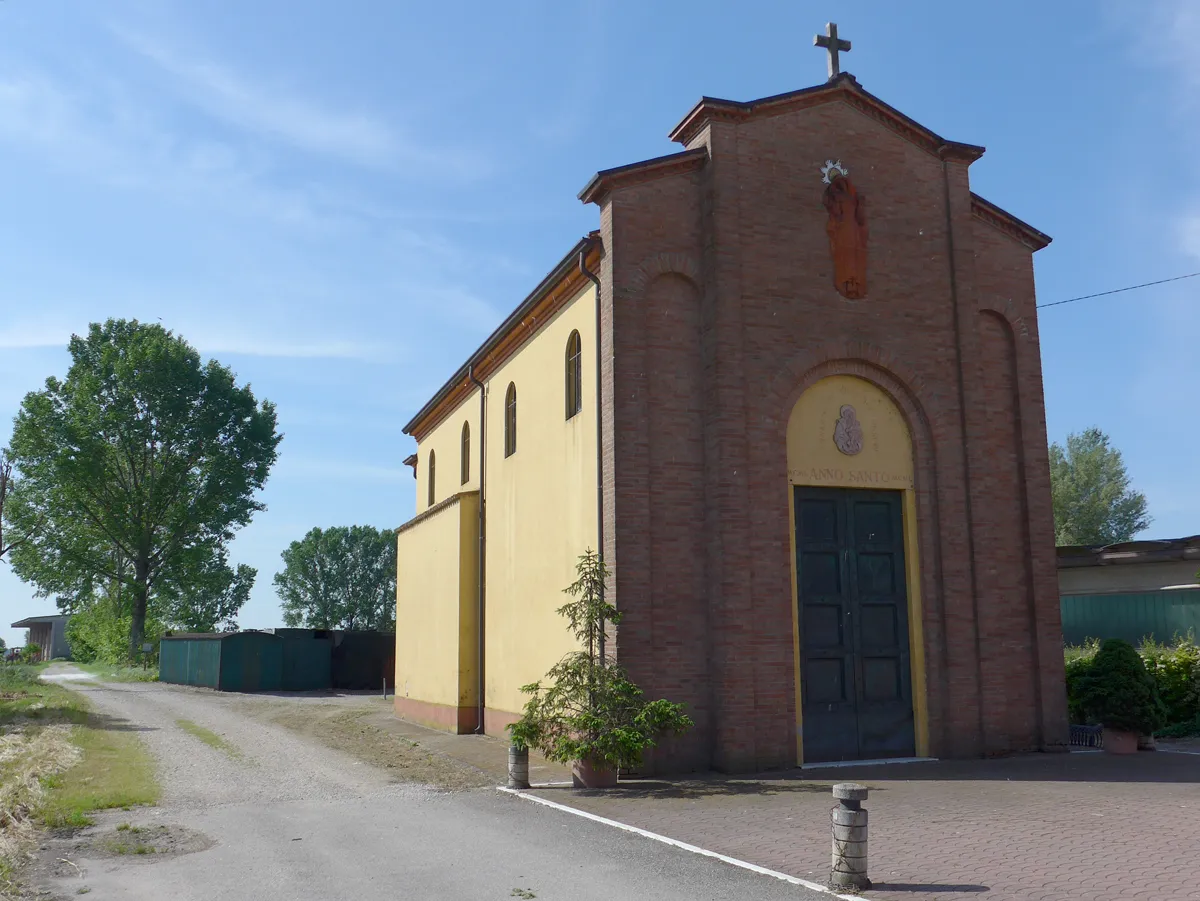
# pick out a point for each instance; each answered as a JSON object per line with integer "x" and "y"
{"x": 608, "y": 180}
{"x": 1015, "y": 228}
{"x": 843, "y": 88}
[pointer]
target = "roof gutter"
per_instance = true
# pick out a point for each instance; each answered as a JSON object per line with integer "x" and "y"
{"x": 564, "y": 268}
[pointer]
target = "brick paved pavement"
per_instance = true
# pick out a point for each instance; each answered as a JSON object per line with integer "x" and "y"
{"x": 1044, "y": 826}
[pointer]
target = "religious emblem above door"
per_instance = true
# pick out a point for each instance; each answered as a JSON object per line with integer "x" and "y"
{"x": 847, "y": 230}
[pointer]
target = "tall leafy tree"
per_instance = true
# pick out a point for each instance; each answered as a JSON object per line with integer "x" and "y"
{"x": 340, "y": 578}
{"x": 9, "y": 538}
{"x": 139, "y": 466}
{"x": 1093, "y": 501}
{"x": 209, "y": 599}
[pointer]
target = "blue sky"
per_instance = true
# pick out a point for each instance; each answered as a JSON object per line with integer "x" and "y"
{"x": 341, "y": 200}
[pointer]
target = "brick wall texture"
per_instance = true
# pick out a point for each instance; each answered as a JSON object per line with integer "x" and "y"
{"x": 718, "y": 311}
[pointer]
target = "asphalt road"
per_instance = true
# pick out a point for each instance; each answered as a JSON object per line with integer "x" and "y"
{"x": 289, "y": 819}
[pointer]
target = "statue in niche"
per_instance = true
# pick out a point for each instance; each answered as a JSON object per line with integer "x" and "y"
{"x": 848, "y": 433}
{"x": 847, "y": 230}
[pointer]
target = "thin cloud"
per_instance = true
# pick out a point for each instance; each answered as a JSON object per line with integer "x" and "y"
{"x": 254, "y": 346}
{"x": 279, "y": 114}
{"x": 35, "y": 335}
{"x": 106, "y": 139}
{"x": 340, "y": 470}
{"x": 235, "y": 341}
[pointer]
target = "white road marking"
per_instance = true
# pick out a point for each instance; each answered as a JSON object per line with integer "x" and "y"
{"x": 684, "y": 846}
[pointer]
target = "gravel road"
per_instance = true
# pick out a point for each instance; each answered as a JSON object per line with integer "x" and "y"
{"x": 276, "y": 816}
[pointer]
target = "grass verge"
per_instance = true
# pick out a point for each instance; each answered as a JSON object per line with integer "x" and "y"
{"x": 209, "y": 737}
{"x": 109, "y": 672}
{"x": 58, "y": 762}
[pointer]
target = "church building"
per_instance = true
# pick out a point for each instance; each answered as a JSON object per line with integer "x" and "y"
{"x": 792, "y": 388}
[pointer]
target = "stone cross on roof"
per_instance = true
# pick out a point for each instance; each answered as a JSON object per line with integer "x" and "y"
{"x": 833, "y": 44}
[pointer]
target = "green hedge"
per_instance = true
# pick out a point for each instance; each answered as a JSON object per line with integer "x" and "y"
{"x": 1175, "y": 669}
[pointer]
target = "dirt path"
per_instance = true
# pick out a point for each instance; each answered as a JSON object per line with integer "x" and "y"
{"x": 253, "y": 810}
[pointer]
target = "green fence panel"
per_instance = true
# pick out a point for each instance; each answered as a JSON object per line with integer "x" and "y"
{"x": 1161, "y": 614}
{"x": 188, "y": 661}
{"x": 204, "y": 663}
{"x": 306, "y": 664}
{"x": 251, "y": 661}
{"x": 172, "y": 662}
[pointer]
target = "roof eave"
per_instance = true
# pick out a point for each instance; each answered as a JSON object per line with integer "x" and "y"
{"x": 1032, "y": 237}
{"x": 556, "y": 275}
{"x": 608, "y": 180}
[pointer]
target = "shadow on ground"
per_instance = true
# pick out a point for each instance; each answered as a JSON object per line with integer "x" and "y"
{"x": 637, "y": 789}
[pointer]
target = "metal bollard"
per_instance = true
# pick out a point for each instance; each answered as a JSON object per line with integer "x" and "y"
{"x": 518, "y": 767}
{"x": 849, "y": 822}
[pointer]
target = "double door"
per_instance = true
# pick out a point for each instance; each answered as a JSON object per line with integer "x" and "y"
{"x": 856, "y": 685}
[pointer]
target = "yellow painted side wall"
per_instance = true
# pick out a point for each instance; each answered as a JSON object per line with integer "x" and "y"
{"x": 445, "y": 442}
{"x": 436, "y": 605}
{"x": 884, "y": 463}
{"x": 541, "y": 504}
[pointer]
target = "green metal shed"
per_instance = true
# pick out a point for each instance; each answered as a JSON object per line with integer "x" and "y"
{"x": 245, "y": 661}
{"x": 1164, "y": 615}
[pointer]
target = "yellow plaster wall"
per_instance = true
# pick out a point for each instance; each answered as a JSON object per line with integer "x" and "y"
{"x": 446, "y": 442}
{"x": 541, "y": 504}
{"x": 436, "y": 605}
{"x": 884, "y": 463}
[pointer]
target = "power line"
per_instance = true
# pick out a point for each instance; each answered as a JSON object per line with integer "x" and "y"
{"x": 1161, "y": 281}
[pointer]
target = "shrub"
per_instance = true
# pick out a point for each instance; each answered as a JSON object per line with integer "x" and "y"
{"x": 1174, "y": 670}
{"x": 1118, "y": 692}
{"x": 99, "y": 632}
{"x": 591, "y": 710}
{"x": 1078, "y": 664}
{"x": 31, "y": 653}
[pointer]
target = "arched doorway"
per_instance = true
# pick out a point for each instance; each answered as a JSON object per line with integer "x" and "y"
{"x": 860, "y": 668}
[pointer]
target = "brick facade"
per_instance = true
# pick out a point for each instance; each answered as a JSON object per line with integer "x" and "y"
{"x": 718, "y": 311}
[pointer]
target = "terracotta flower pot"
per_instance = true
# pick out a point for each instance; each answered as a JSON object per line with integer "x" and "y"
{"x": 586, "y": 774}
{"x": 1117, "y": 742}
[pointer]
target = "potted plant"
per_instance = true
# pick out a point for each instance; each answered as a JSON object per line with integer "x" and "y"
{"x": 586, "y": 711}
{"x": 1119, "y": 694}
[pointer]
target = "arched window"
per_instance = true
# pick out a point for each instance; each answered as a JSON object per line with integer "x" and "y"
{"x": 465, "y": 464}
{"x": 432, "y": 475}
{"x": 574, "y": 375}
{"x": 510, "y": 420}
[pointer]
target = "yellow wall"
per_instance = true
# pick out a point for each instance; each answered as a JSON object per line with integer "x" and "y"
{"x": 436, "y": 591}
{"x": 446, "y": 442}
{"x": 541, "y": 504}
{"x": 884, "y": 463}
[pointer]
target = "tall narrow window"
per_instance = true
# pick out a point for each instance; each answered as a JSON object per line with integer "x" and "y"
{"x": 510, "y": 420}
{"x": 432, "y": 476}
{"x": 574, "y": 375}
{"x": 465, "y": 465}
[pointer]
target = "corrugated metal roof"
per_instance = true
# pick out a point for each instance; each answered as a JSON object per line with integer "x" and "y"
{"x": 1152, "y": 551}
{"x": 38, "y": 620}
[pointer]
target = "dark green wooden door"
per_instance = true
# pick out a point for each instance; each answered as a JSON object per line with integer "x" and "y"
{"x": 854, "y": 655}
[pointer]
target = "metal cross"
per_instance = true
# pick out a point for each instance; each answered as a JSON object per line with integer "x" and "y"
{"x": 832, "y": 43}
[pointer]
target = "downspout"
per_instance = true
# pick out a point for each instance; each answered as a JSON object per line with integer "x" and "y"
{"x": 599, "y": 418}
{"x": 481, "y": 557}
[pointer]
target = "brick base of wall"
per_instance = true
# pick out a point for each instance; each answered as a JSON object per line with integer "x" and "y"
{"x": 495, "y": 722}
